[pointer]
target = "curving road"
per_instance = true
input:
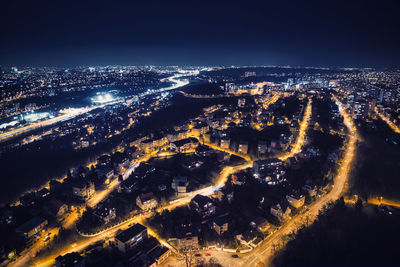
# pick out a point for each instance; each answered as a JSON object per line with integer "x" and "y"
{"x": 262, "y": 255}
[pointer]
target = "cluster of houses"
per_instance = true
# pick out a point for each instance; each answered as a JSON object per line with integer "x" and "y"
{"x": 214, "y": 223}
{"x": 270, "y": 171}
{"x": 213, "y": 127}
{"x": 135, "y": 248}
{"x": 49, "y": 206}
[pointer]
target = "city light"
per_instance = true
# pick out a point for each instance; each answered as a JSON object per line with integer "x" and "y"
{"x": 263, "y": 141}
{"x": 301, "y": 137}
{"x": 103, "y": 98}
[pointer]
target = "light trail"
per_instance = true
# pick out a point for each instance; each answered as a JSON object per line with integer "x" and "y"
{"x": 72, "y": 113}
{"x": 36, "y": 125}
{"x": 301, "y": 137}
{"x": 386, "y": 119}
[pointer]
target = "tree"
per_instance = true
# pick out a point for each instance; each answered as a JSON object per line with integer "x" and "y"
{"x": 69, "y": 175}
{"x": 359, "y": 205}
{"x": 340, "y": 202}
{"x": 188, "y": 256}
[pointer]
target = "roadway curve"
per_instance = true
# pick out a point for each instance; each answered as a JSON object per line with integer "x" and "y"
{"x": 110, "y": 232}
{"x": 262, "y": 255}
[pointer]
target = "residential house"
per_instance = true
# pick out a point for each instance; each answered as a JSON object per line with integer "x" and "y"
{"x": 131, "y": 237}
{"x": 239, "y": 178}
{"x": 203, "y": 206}
{"x": 296, "y": 200}
{"x": 225, "y": 142}
{"x": 187, "y": 238}
{"x": 262, "y": 147}
{"x": 311, "y": 190}
{"x": 160, "y": 254}
{"x": 83, "y": 189}
{"x": 281, "y": 211}
{"x": 73, "y": 259}
{"x": 56, "y": 208}
{"x": 32, "y": 227}
{"x": 220, "y": 225}
{"x": 106, "y": 175}
{"x": 180, "y": 184}
{"x": 146, "y": 201}
{"x": 105, "y": 212}
{"x": 261, "y": 165}
{"x": 184, "y": 145}
{"x": 243, "y": 147}
{"x": 44, "y": 192}
{"x": 261, "y": 224}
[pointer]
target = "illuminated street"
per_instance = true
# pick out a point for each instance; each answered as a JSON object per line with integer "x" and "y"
{"x": 301, "y": 137}
{"x": 80, "y": 245}
{"x": 67, "y": 116}
{"x": 392, "y": 126}
{"x": 262, "y": 255}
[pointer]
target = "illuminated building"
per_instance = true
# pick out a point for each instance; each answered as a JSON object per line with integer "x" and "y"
{"x": 187, "y": 238}
{"x": 261, "y": 165}
{"x": 131, "y": 237}
{"x": 32, "y": 227}
{"x": 179, "y": 184}
{"x": 105, "y": 213}
{"x": 296, "y": 200}
{"x": 225, "y": 142}
{"x": 262, "y": 147}
{"x": 146, "y": 201}
{"x": 220, "y": 225}
{"x": 203, "y": 206}
{"x": 184, "y": 145}
{"x": 160, "y": 254}
{"x": 311, "y": 191}
{"x": 243, "y": 147}
{"x": 56, "y": 208}
{"x": 281, "y": 211}
{"x": 83, "y": 189}
{"x": 229, "y": 86}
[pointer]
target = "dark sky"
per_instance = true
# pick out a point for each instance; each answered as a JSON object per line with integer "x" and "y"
{"x": 85, "y": 32}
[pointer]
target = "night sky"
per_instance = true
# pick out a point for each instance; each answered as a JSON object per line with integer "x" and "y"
{"x": 314, "y": 33}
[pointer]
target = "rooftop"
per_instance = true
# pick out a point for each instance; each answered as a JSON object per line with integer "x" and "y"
{"x": 129, "y": 233}
{"x": 31, "y": 224}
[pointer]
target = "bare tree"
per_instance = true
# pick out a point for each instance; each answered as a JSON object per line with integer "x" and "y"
{"x": 188, "y": 257}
